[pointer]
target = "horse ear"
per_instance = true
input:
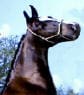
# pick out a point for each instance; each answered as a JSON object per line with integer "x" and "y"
{"x": 26, "y": 16}
{"x": 34, "y": 12}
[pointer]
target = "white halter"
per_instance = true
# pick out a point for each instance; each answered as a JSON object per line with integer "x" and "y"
{"x": 47, "y": 39}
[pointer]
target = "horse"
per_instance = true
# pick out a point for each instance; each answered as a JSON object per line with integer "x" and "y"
{"x": 29, "y": 73}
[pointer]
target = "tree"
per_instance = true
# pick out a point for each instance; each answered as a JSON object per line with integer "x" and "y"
{"x": 60, "y": 90}
{"x": 71, "y": 92}
{"x": 7, "y": 50}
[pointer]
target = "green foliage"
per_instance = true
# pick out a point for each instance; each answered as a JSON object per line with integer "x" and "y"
{"x": 7, "y": 49}
{"x": 60, "y": 91}
{"x": 69, "y": 91}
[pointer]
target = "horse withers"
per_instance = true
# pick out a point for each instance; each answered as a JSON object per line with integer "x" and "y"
{"x": 29, "y": 73}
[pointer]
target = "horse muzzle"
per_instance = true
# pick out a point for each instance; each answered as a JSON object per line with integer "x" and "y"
{"x": 71, "y": 31}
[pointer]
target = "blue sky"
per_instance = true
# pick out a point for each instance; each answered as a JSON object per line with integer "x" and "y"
{"x": 65, "y": 59}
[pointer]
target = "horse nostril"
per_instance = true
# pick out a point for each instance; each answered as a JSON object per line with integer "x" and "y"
{"x": 74, "y": 27}
{"x": 77, "y": 27}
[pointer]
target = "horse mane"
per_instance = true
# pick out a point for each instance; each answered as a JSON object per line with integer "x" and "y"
{"x": 12, "y": 63}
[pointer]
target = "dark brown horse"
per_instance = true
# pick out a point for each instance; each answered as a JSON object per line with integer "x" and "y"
{"x": 29, "y": 74}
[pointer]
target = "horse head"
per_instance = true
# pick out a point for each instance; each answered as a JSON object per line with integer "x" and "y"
{"x": 49, "y": 30}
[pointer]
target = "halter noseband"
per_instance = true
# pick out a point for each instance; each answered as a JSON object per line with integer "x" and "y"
{"x": 47, "y": 39}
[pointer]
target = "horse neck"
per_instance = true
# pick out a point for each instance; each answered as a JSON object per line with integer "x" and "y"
{"x": 31, "y": 64}
{"x": 31, "y": 61}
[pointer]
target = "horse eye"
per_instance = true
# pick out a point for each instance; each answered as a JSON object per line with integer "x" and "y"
{"x": 43, "y": 24}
